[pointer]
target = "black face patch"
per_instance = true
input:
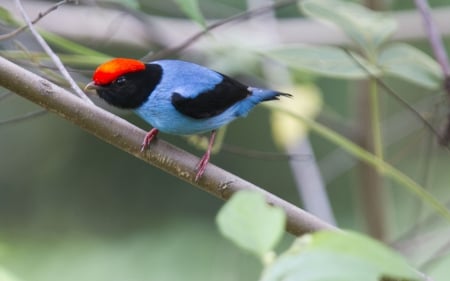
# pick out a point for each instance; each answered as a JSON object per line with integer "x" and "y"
{"x": 131, "y": 90}
{"x": 212, "y": 102}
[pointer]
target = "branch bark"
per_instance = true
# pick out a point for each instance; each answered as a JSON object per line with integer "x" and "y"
{"x": 127, "y": 137}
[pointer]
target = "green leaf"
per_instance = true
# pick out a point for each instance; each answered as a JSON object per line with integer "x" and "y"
{"x": 323, "y": 60}
{"x": 192, "y": 10}
{"x": 408, "y": 63}
{"x": 6, "y": 17}
{"x": 72, "y": 60}
{"x": 248, "y": 221}
{"x": 70, "y": 46}
{"x": 5, "y": 275}
{"x": 133, "y": 4}
{"x": 340, "y": 256}
{"x": 367, "y": 28}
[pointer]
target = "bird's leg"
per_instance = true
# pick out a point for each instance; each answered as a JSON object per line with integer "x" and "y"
{"x": 148, "y": 138}
{"x": 201, "y": 166}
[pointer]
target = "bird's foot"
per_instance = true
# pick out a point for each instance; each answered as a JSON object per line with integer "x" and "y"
{"x": 201, "y": 166}
{"x": 148, "y": 138}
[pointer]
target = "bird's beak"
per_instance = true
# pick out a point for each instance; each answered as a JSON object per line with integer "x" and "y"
{"x": 91, "y": 86}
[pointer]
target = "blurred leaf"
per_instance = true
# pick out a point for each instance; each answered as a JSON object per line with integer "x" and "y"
{"x": 346, "y": 256}
{"x": 6, "y": 16}
{"x": 440, "y": 268}
{"x": 192, "y": 10}
{"x": 287, "y": 129}
{"x": 186, "y": 243}
{"x": 233, "y": 60}
{"x": 202, "y": 141}
{"x": 367, "y": 28}
{"x": 323, "y": 60}
{"x": 133, "y": 4}
{"x": 6, "y": 275}
{"x": 72, "y": 60}
{"x": 248, "y": 221}
{"x": 70, "y": 46}
{"x": 406, "y": 62}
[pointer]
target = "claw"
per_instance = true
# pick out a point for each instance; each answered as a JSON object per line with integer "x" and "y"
{"x": 148, "y": 138}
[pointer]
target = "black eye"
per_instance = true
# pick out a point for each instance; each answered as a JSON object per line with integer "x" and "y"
{"x": 120, "y": 81}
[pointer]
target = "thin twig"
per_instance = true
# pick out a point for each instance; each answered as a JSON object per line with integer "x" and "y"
{"x": 441, "y": 56}
{"x": 393, "y": 94}
{"x": 40, "y": 16}
{"x": 434, "y": 36}
{"x": 403, "y": 102}
{"x": 426, "y": 222}
{"x": 56, "y": 60}
{"x": 238, "y": 17}
{"x": 264, "y": 155}
{"x": 437, "y": 256}
{"x": 24, "y": 117}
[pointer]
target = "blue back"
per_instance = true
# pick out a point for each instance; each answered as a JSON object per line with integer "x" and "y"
{"x": 189, "y": 80}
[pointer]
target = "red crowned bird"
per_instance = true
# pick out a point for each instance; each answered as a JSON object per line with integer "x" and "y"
{"x": 177, "y": 97}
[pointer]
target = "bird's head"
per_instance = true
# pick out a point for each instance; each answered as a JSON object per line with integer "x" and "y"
{"x": 125, "y": 83}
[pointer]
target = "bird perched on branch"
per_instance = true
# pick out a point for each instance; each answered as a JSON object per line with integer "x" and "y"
{"x": 177, "y": 97}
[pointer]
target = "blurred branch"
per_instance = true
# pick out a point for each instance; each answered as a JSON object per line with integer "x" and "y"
{"x": 128, "y": 138}
{"x": 264, "y": 155}
{"x": 92, "y": 23}
{"x": 440, "y": 54}
{"x": 309, "y": 183}
{"x": 239, "y": 17}
{"x": 56, "y": 60}
{"x": 40, "y": 16}
{"x": 24, "y": 117}
{"x": 434, "y": 36}
{"x": 371, "y": 194}
{"x": 397, "y": 97}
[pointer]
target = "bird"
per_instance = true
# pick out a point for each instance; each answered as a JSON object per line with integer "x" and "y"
{"x": 177, "y": 97}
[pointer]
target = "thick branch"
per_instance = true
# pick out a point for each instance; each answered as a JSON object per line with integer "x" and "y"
{"x": 128, "y": 138}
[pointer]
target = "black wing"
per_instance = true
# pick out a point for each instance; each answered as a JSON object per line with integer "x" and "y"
{"x": 212, "y": 102}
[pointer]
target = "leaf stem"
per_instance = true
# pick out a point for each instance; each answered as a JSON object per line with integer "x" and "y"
{"x": 364, "y": 155}
{"x": 375, "y": 120}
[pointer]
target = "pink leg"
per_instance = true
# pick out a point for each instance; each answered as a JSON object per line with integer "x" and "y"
{"x": 201, "y": 166}
{"x": 148, "y": 138}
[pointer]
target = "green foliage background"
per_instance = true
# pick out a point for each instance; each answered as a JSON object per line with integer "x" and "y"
{"x": 73, "y": 208}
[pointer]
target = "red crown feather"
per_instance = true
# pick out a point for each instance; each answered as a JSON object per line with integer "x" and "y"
{"x": 111, "y": 70}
